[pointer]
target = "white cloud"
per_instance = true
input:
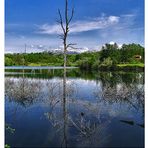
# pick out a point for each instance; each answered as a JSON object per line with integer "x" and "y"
{"x": 113, "y": 19}
{"x": 120, "y": 46}
{"x": 111, "y": 42}
{"x": 49, "y": 29}
{"x": 81, "y": 26}
{"x": 120, "y": 29}
{"x": 125, "y": 31}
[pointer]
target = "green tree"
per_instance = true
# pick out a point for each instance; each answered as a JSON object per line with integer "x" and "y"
{"x": 8, "y": 61}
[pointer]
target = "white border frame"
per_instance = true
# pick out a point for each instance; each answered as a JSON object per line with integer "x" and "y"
{"x": 2, "y": 104}
{"x": 2, "y": 73}
{"x": 146, "y": 73}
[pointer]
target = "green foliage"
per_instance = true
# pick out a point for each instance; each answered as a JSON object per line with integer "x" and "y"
{"x": 124, "y": 55}
{"x": 85, "y": 64}
{"x": 131, "y": 65}
{"x": 109, "y": 56}
{"x": 107, "y": 62}
{"x": 128, "y": 52}
{"x": 8, "y": 61}
{"x": 7, "y": 146}
{"x": 96, "y": 65}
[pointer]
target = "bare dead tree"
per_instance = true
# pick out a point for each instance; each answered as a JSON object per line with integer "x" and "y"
{"x": 64, "y": 23}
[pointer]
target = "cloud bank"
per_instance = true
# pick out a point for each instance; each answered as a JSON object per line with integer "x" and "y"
{"x": 91, "y": 32}
{"x": 81, "y": 26}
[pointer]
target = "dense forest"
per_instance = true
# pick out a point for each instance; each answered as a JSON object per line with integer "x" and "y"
{"x": 110, "y": 56}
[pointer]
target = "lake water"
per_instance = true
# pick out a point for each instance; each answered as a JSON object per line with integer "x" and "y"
{"x": 101, "y": 109}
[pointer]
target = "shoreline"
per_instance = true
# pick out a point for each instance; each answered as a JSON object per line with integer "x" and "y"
{"x": 119, "y": 67}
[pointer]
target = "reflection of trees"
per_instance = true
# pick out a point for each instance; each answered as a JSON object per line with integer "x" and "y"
{"x": 121, "y": 92}
{"x": 22, "y": 91}
{"x": 87, "y": 130}
{"x": 85, "y": 121}
{"x": 130, "y": 94}
{"x": 114, "y": 78}
{"x": 121, "y": 87}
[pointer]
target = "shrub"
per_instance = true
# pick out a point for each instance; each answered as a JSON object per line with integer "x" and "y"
{"x": 107, "y": 62}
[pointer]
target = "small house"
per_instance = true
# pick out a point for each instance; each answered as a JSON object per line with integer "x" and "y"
{"x": 138, "y": 57}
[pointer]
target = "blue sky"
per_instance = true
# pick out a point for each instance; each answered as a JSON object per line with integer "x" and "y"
{"x": 95, "y": 22}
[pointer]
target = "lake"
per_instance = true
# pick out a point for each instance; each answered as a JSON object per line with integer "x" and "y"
{"x": 101, "y": 109}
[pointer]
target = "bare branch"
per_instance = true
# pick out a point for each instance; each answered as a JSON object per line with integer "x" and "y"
{"x": 72, "y": 14}
{"x": 71, "y": 45}
{"x": 66, "y": 13}
{"x": 65, "y": 27}
{"x": 61, "y": 21}
{"x": 61, "y": 36}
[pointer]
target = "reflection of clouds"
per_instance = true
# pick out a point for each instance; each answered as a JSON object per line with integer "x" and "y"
{"x": 86, "y": 130}
{"x": 88, "y": 118}
{"x": 121, "y": 92}
{"x": 22, "y": 90}
{"x": 52, "y": 93}
{"x": 90, "y": 132}
{"x": 121, "y": 98}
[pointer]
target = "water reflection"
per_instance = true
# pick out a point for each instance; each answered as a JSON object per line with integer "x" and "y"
{"x": 75, "y": 119}
{"x": 22, "y": 91}
{"x": 120, "y": 91}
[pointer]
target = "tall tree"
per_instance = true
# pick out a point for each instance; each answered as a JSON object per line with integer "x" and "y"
{"x": 64, "y": 23}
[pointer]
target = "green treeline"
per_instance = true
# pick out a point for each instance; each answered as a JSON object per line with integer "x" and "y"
{"x": 113, "y": 57}
{"x": 110, "y": 56}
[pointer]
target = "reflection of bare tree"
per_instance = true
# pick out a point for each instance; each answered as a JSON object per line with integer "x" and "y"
{"x": 132, "y": 95}
{"x": 121, "y": 92}
{"x": 63, "y": 122}
{"x": 53, "y": 93}
{"x": 22, "y": 90}
{"x": 87, "y": 130}
{"x": 66, "y": 113}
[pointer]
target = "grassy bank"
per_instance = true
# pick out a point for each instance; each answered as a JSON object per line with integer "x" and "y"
{"x": 44, "y": 64}
{"x": 131, "y": 65}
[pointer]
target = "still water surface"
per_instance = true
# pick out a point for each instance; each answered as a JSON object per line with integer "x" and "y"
{"x": 102, "y": 109}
